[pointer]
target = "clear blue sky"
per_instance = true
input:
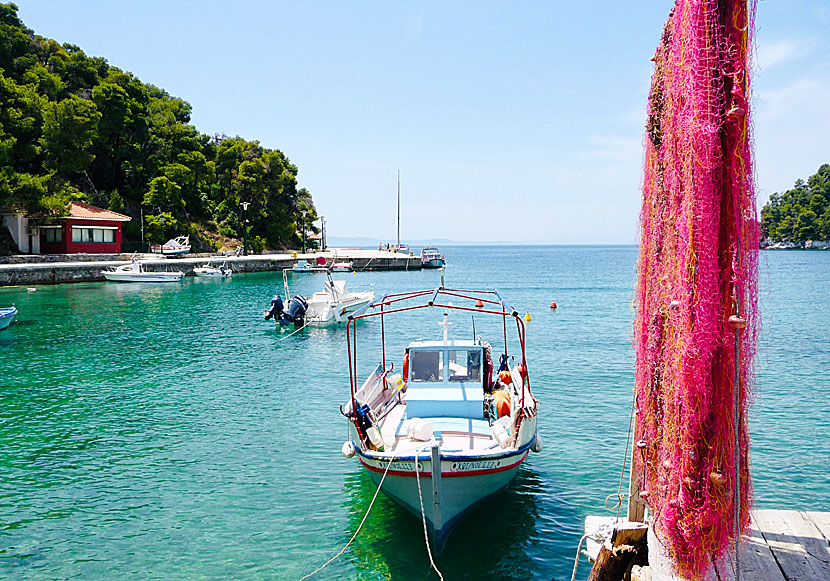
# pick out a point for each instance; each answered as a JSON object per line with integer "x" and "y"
{"x": 516, "y": 121}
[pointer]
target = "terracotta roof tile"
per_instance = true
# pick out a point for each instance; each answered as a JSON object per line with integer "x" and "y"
{"x": 81, "y": 210}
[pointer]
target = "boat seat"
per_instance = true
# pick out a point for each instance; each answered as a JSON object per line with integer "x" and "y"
{"x": 463, "y": 425}
{"x": 458, "y": 400}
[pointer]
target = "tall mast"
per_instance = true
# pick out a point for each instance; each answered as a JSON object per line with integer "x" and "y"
{"x": 399, "y": 207}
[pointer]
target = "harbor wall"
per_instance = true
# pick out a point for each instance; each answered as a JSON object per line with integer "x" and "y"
{"x": 57, "y": 269}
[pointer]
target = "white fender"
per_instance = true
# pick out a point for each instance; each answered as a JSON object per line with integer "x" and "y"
{"x": 537, "y": 445}
{"x": 348, "y": 449}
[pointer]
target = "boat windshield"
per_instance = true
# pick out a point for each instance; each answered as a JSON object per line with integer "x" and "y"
{"x": 427, "y": 366}
{"x": 464, "y": 365}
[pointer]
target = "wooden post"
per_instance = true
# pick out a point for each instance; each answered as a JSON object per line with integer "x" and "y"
{"x": 636, "y": 505}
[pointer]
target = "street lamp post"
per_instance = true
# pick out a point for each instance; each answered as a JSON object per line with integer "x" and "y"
{"x": 245, "y": 228}
{"x": 303, "y": 232}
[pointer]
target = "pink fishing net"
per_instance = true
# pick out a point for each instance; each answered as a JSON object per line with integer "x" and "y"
{"x": 697, "y": 267}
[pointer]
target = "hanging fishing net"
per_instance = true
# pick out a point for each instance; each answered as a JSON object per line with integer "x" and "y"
{"x": 697, "y": 268}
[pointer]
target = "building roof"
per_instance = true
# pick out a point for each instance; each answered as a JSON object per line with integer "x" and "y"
{"x": 88, "y": 212}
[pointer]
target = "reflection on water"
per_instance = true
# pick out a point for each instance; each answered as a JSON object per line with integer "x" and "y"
{"x": 492, "y": 540}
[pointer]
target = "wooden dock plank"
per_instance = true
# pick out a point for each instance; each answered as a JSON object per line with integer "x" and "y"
{"x": 793, "y": 540}
{"x": 757, "y": 561}
{"x": 822, "y": 522}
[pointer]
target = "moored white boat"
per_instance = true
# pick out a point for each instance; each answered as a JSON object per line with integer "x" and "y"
{"x": 445, "y": 434}
{"x": 174, "y": 247}
{"x": 7, "y": 315}
{"x": 334, "y": 303}
{"x": 210, "y": 271}
{"x": 329, "y": 307}
{"x": 135, "y": 272}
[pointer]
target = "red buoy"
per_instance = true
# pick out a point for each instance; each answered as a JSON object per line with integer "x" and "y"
{"x": 553, "y": 305}
{"x": 479, "y": 304}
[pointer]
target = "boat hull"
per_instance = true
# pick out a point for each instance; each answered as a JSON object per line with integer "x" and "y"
{"x": 465, "y": 482}
{"x": 7, "y": 315}
{"x": 322, "y": 315}
{"x": 144, "y": 277}
{"x": 211, "y": 273}
{"x": 434, "y": 263}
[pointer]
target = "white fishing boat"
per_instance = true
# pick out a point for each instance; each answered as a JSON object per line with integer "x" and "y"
{"x": 431, "y": 258}
{"x": 329, "y": 307}
{"x": 174, "y": 247}
{"x": 210, "y": 271}
{"x": 444, "y": 435}
{"x": 135, "y": 272}
{"x": 7, "y": 315}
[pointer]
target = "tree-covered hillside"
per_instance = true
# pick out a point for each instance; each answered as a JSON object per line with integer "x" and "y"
{"x": 73, "y": 127}
{"x": 802, "y": 213}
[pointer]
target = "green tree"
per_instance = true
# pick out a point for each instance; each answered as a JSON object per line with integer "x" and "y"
{"x": 69, "y": 128}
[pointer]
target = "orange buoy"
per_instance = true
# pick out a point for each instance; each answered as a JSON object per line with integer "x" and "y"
{"x": 479, "y": 304}
{"x": 505, "y": 377}
{"x": 553, "y": 305}
{"x": 371, "y": 269}
{"x": 501, "y": 399}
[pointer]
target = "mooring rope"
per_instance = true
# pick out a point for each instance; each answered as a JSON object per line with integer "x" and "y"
{"x": 423, "y": 514}
{"x": 365, "y": 516}
{"x": 297, "y": 330}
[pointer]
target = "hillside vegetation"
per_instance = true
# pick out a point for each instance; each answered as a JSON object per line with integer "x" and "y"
{"x": 802, "y": 213}
{"x": 74, "y": 127}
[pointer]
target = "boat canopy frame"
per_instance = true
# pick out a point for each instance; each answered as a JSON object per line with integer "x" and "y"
{"x": 431, "y": 298}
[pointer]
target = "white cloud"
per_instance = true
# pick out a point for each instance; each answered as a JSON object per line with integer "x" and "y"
{"x": 776, "y": 53}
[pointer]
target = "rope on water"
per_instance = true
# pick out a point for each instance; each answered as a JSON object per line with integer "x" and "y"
{"x": 423, "y": 515}
{"x": 297, "y": 330}
{"x": 365, "y": 516}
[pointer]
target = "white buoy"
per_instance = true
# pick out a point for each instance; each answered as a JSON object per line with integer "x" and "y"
{"x": 348, "y": 449}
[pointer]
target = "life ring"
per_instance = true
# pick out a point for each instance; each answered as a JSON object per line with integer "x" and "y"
{"x": 406, "y": 367}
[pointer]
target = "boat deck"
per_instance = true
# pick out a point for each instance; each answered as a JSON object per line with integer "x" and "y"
{"x": 457, "y": 434}
{"x": 781, "y": 545}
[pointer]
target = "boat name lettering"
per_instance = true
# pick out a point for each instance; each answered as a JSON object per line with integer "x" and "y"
{"x": 410, "y": 466}
{"x": 478, "y": 465}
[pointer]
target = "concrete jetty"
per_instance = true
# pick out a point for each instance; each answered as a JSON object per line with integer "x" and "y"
{"x": 55, "y": 269}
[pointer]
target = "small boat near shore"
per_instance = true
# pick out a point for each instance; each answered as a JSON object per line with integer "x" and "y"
{"x": 329, "y": 307}
{"x": 445, "y": 434}
{"x": 210, "y": 271}
{"x": 135, "y": 272}
{"x": 303, "y": 266}
{"x": 178, "y": 246}
{"x": 342, "y": 266}
{"x": 432, "y": 258}
{"x": 7, "y": 315}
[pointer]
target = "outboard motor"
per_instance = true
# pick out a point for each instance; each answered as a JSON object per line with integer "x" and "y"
{"x": 275, "y": 310}
{"x": 294, "y": 311}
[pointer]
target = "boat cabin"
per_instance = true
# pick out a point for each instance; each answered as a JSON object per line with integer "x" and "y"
{"x": 445, "y": 379}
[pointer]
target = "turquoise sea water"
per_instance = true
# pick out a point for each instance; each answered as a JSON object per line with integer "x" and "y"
{"x": 151, "y": 431}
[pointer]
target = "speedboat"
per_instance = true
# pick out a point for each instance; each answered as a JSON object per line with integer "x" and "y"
{"x": 7, "y": 315}
{"x": 329, "y": 307}
{"x": 174, "y": 247}
{"x": 445, "y": 434}
{"x": 431, "y": 258}
{"x": 135, "y": 272}
{"x": 210, "y": 271}
{"x": 303, "y": 266}
{"x": 342, "y": 266}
